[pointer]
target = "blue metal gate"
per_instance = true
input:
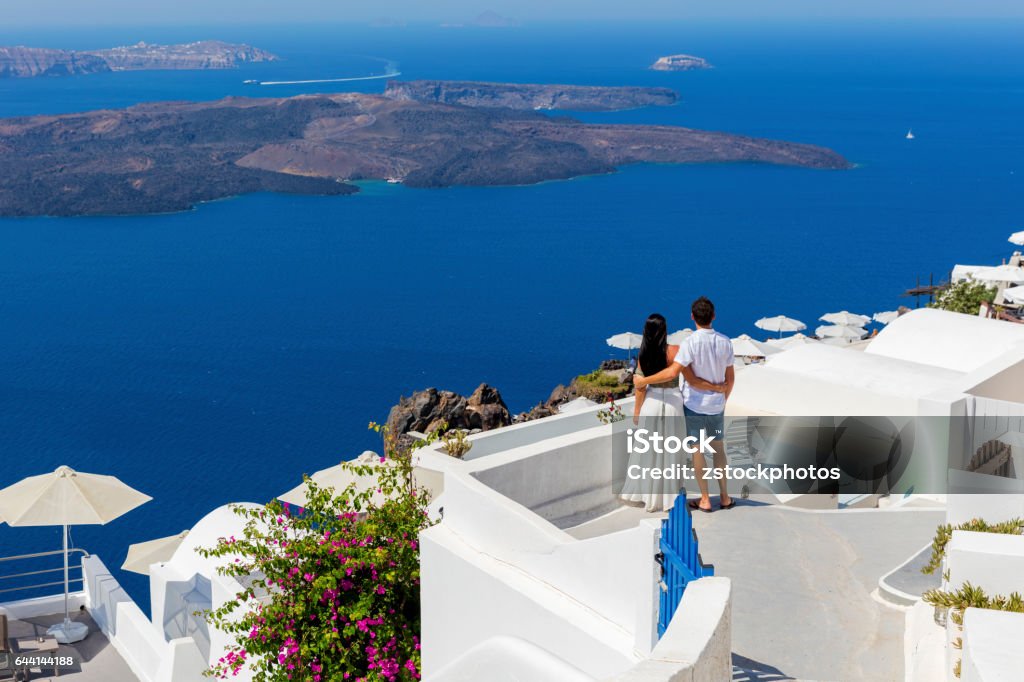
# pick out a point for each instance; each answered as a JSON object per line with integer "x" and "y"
{"x": 680, "y": 561}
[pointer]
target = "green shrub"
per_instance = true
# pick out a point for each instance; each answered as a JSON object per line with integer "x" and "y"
{"x": 456, "y": 442}
{"x": 598, "y": 384}
{"x": 964, "y": 297}
{"x": 944, "y": 533}
{"x": 598, "y": 379}
{"x": 969, "y": 596}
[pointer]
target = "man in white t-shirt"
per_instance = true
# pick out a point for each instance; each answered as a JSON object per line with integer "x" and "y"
{"x": 705, "y": 354}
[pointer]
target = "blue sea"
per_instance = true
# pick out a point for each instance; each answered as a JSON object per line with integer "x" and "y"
{"x": 218, "y": 354}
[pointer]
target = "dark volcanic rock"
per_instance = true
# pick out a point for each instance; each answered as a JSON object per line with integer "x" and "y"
{"x": 530, "y": 96}
{"x": 537, "y": 412}
{"x": 485, "y": 410}
{"x": 425, "y": 411}
{"x": 167, "y": 156}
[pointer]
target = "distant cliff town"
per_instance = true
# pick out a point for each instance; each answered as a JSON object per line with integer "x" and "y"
{"x": 32, "y": 62}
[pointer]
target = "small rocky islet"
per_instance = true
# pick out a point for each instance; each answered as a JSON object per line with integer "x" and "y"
{"x": 680, "y": 62}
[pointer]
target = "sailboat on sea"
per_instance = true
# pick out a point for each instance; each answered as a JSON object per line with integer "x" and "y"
{"x": 910, "y": 134}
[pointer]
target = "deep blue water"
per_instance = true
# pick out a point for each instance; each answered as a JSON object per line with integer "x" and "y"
{"x": 216, "y": 355}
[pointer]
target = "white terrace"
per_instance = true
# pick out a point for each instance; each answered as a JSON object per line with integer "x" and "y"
{"x": 535, "y": 572}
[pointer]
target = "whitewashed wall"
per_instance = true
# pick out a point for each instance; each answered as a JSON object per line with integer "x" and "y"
{"x": 991, "y": 561}
{"x": 133, "y": 635}
{"x": 992, "y": 646}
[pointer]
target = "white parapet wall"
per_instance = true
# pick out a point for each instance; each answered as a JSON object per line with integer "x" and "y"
{"x": 532, "y": 432}
{"x": 472, "y": 601}
{"x": 992, "y": 646}
{"x": 23, "y": 609}
{"x": 133, "y": 635}
{"x": 991, "y": 561}
{"x": 495, "y": 506}
{"x": 979, "y": 496}
{"x": 697, "y": 646}
{"x": 509, "y": 658}
{"x": 469, "y": 597}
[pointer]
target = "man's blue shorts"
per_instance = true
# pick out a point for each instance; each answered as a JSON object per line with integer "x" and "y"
{"x": 712, "y": 424}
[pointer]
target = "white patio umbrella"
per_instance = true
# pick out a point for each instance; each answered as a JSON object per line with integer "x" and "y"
{"x": 886, "y": 317}
{"x": 845, "y": 318}
{"x": 1017, "y": 238}
{"x": 142, "y": 555}
{"x": 780, "y": 323}
{"x": 1010, "y": 274}
{"x": 840, "y": 331}
{"x": 676, "y": 338}
{"x": 745, "y": 347}
{"x": 793, "y": 341}
{"x": 68, "y": 498}
{"x": 339, "y": 478}
{"x": 580, "y": 404}
{"x": 627, "y": 341}
{"x": 1013, "y": 294}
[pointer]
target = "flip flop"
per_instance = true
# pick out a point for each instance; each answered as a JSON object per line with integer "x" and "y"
{"x": 695, "y": 504}
{"x": 732, "y": 503}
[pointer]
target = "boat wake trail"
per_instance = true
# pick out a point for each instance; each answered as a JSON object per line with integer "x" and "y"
{"x": 334, "y": 80}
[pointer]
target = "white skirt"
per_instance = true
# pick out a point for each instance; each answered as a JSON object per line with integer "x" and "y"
{"x": 661, "y": 412}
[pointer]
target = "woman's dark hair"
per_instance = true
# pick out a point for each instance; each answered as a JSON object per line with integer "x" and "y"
{"x": 653, "y": 347}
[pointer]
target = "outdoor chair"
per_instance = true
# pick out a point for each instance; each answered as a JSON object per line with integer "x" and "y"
{"x": 6, "y": 652}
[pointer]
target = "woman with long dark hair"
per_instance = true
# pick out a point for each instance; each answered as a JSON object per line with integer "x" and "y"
{"x": 658, "y": 408}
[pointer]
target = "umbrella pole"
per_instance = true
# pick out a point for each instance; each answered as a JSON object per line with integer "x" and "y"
{"x": 68, "y": 632}
{"x": 67, "y": 612}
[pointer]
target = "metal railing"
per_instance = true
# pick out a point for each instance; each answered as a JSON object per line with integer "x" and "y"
{"x": 75, "y": 566}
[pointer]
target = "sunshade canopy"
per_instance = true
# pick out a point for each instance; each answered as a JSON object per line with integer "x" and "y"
{"x": 144, "y": 554}
{"x": 840, "y": 331}
{"x": 68, "y": 497}
{"x": 1013, "y": 294}
{"x": 780, "y": 323}
{"x": 744, "y": 346}
{"x": 339, "y": 478}
{"x": 797, "y": 339}
{"x": 844, "y": 317}
{"x": 677, "y": 337}
{"x": 625, "y": 341}
{"x": 1001, "y": 273}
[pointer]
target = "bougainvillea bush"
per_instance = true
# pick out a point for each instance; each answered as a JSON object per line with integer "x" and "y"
{"x": 332, "y": 588}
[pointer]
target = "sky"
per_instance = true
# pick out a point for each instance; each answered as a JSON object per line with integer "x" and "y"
{"x": 52, "y": 13}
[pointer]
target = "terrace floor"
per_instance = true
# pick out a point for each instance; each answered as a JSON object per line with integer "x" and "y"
{"x": 805, "y": 603}
{"x": 96, "y": 659}
{"x": 804, "y": 585}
